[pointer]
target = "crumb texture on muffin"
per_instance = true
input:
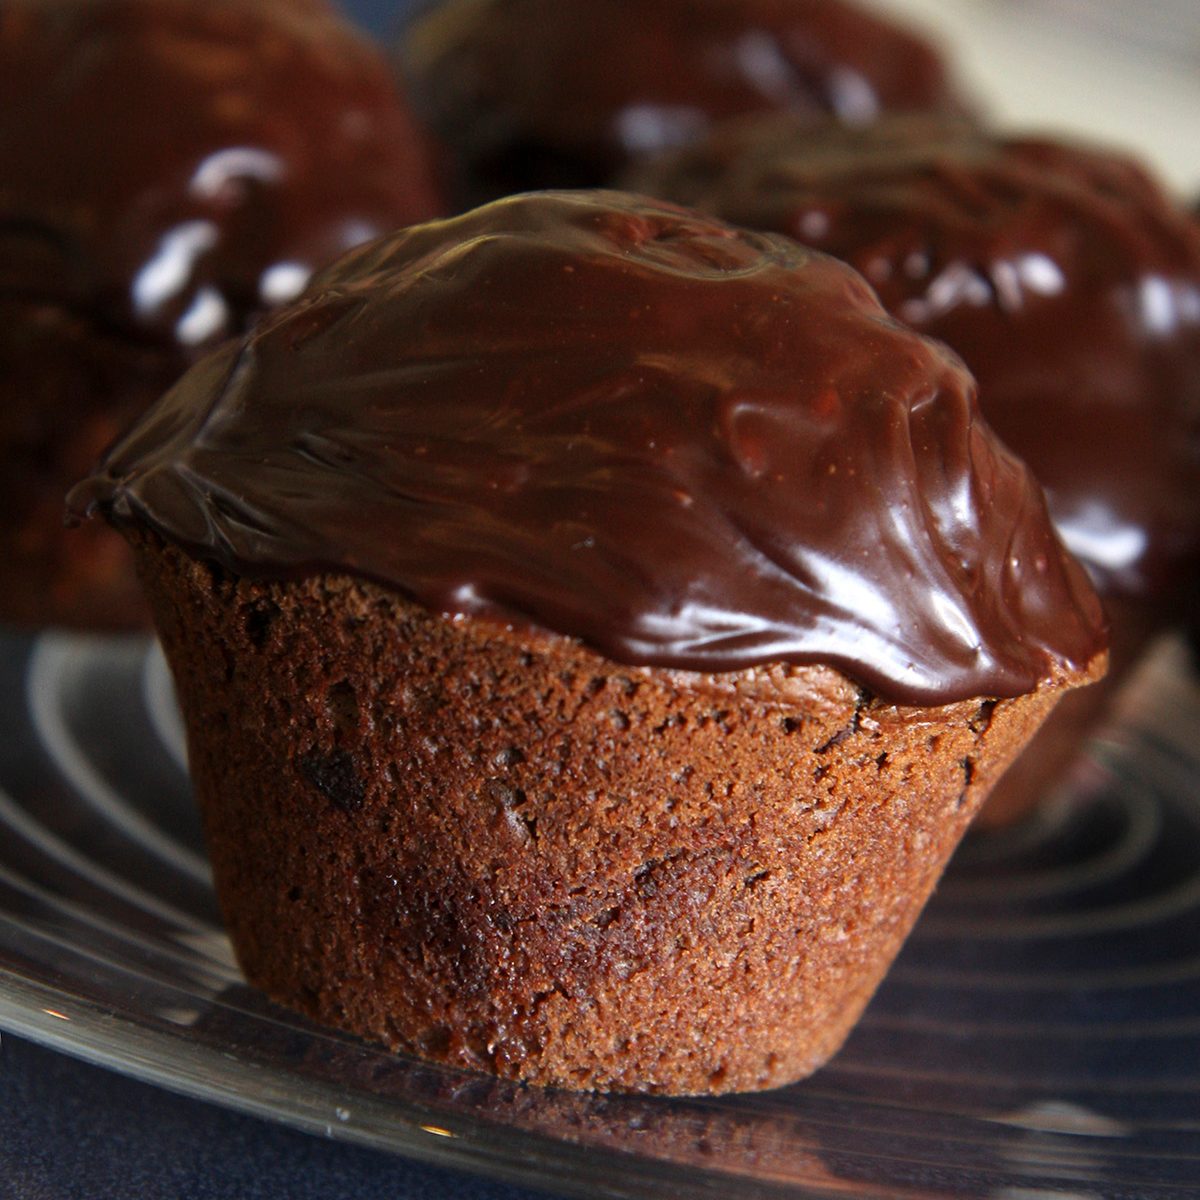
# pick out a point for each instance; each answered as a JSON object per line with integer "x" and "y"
{"x": 508, "y": 853}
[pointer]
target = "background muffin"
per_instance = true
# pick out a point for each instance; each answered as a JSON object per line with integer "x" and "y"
{"x": 595, "y": 626}
{"x": 1067, "y": 279}
{"x": 539, "y": 93}
{"x": 168, "y": 168}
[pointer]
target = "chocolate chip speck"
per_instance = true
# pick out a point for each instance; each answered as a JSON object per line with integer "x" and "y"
{"x": 334, "y": 776}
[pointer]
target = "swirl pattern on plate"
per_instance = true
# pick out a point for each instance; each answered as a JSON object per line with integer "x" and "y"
{"x": 1039, "y": 1036}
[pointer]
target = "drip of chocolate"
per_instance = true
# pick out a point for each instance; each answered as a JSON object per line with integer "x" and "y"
{"x": 539, "y": 93}
{"x": 687, "y": 445}
{"x": 1063, "y": 275}
{"x": 168, "y": 168}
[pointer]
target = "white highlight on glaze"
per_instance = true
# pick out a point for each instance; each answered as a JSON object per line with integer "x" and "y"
{"x": 282, "y": 282}
{"x": 1095, "y": 534}
{"x": 1164, "y": 305}
{"x": 215, "y": 172}
{"x": 957, "y": 284}
{"x": 1014, "y": 278}
{"x": 167, "y": 273}
{"x": 764, "y": 65}
{"x": 356, "y": 231}
{"x": 1041, "y": 274}
{"x": 814, "y": 224}
{"x": 642, "y": 128}
{"x": 206, "y": 315}
{"x": 954, "y": 621}
{"x": 853, "y": 97}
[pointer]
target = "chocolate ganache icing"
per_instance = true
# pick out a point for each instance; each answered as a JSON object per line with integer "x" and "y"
{"x": 170, "y": 167}
{"x": 1064, "y": 276}
{"x": 688, "y": 445}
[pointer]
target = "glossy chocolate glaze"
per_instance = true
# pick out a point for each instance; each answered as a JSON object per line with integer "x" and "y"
{"x": 1063, "y": 275}
{"x": 687, "y": 445}
{"x": 541, "y": 93}
{"x": 171, "y": 167}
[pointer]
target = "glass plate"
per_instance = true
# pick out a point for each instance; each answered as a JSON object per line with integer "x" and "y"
{"x": 1039, "y": 1036}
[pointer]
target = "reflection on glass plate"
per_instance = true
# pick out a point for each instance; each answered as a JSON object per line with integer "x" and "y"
{"x": 1039, "y": 1036}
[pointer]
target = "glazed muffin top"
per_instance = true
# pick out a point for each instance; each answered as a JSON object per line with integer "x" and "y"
{"x": 170, "y": 167}
{"x": 1063, "y": 274}
{"x": 542, "y": 93}
{"x": 603, "y": 416}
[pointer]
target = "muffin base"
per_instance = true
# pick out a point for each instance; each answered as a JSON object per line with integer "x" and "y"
{"x": 1046, "y": 761}
{"x": 497, "y": 849}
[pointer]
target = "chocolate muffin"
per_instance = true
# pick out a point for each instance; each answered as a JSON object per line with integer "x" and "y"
{"x": 538, "y": 93}
{"x": 1070, "y": 284}
{"x": 595, "y": 626}
{"x": 168, "y": 169}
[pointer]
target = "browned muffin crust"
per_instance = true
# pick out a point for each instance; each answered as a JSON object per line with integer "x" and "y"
{"x": 501, "y": 850}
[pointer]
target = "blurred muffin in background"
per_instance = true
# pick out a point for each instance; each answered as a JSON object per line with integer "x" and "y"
{"x": 1070, "y": 284}
{"x": 168, "y": 169}
{"x": 544, "y": 93}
